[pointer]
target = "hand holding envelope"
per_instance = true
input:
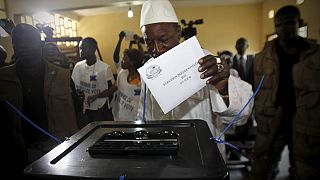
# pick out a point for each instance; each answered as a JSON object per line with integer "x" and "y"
{"x": 217, "y": 71}
{"x": 174, "y": 76}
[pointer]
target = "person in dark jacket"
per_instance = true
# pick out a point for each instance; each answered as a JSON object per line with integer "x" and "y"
{"x": 41, "y": 91}
{"x": 242, "y": 62}
{"x": 287, "y": 108}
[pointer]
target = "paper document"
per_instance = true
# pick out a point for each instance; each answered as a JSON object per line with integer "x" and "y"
{"x": 173, "y": 77}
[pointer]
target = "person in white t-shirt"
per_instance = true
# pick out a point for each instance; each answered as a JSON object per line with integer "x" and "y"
{"x": 129, "y": 87}
{"x": 94, "y": 78}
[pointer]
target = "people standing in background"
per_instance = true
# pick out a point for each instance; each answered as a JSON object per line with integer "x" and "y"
{"x": 129, "y": 86}
{"x": 287, "y": 109}
{"x": 116, "y": 53}
{"x": 228, "y": 56}
{"x": 220, "y": 100}
{"x": 52, "y": 54}
{"x": 243, "y": 62}
{"x": 94, "y": 77}
{"x": 41, "y": 91}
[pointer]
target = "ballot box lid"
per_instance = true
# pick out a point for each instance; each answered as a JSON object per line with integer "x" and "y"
{"x": 198, "y": 156}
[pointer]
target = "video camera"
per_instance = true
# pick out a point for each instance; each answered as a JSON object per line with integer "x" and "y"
{"x": 188, "y": 31}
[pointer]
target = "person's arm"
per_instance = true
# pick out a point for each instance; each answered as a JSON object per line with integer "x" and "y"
{"x": 239, "y": 94}
{"x": 77, "y": 97}
{"x": 77, "y": 94}
{"x": 107, "y": 92}
{"x": 116, "y": 56}
{"x": 228, "y": 94}
{"x": 219, "y": 80}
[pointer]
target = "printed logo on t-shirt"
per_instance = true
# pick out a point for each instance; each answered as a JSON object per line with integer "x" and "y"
{"x": 93, "y": 77}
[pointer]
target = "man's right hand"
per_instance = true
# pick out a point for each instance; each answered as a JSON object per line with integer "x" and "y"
{"x": 121, "y": 35}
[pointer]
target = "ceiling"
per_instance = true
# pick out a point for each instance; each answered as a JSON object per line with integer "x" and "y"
{"x": 81, "y": 8}
{"x": 122, "y": 5}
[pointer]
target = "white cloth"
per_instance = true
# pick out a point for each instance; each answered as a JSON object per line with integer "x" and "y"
{"x": 156, "y": 11}
{"x": 92, "y": 80}
{"x": 206, "y": 104}
{"x": 126, "y": 105}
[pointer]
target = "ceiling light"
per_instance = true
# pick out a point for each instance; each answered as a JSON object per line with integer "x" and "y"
{"x": 271, "y": 14}
{"x": 130, "y": 13}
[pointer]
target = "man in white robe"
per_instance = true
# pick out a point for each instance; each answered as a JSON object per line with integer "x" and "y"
{"x": 219, "y": 101}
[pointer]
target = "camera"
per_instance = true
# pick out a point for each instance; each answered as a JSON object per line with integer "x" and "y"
{"x": 188, "y": 31}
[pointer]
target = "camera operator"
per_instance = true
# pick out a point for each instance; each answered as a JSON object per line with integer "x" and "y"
{"x": 190, "y": 31}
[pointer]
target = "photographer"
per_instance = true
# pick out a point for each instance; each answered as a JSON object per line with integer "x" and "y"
{"x": 116, "y": 54}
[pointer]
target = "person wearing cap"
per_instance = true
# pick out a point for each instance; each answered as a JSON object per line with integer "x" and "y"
{"x": 218, "y": 102}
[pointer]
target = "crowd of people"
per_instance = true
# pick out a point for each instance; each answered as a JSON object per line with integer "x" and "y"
{"x": 39, "y": 84}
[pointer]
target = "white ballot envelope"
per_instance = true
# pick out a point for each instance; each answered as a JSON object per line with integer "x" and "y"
{"x": 173, "y": 77}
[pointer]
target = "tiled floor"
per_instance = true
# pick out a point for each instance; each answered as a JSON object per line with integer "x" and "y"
{"x": 241, "y": 174}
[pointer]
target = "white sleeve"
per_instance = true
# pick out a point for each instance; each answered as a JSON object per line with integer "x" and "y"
{"x": 118, "y": 66}
{"x": 109, "y": 75}
{"x": 75, "y": 76}
{"x": 239, "y": 94}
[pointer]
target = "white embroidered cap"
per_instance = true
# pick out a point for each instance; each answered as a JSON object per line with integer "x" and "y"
{"x": 156, "y": 11}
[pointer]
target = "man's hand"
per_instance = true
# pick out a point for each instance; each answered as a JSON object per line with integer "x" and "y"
{"x": 121, "y": 35}
{"x": 91, "y": 99}
{"x": 209, "y": 68}
{"x": 7, "y": 25}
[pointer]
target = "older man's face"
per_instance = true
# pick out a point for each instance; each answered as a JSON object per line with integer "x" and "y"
{"x": 161, "y": 37}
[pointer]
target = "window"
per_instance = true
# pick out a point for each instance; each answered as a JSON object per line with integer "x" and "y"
{"x": 302, "y": 31}
{"x": 62, "y": 26}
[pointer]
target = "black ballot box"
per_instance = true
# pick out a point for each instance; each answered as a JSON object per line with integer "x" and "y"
{"x": 197, "y": 157}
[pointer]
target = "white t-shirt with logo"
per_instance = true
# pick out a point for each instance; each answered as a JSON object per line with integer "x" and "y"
{"x": 92, "y": 80}
{"x": 127, "y": 101}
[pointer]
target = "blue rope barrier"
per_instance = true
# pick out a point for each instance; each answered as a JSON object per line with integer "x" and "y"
{"x": 144, "y": 104}
{"x": 218, "y": 140}
{"x": 32, "y": 123}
